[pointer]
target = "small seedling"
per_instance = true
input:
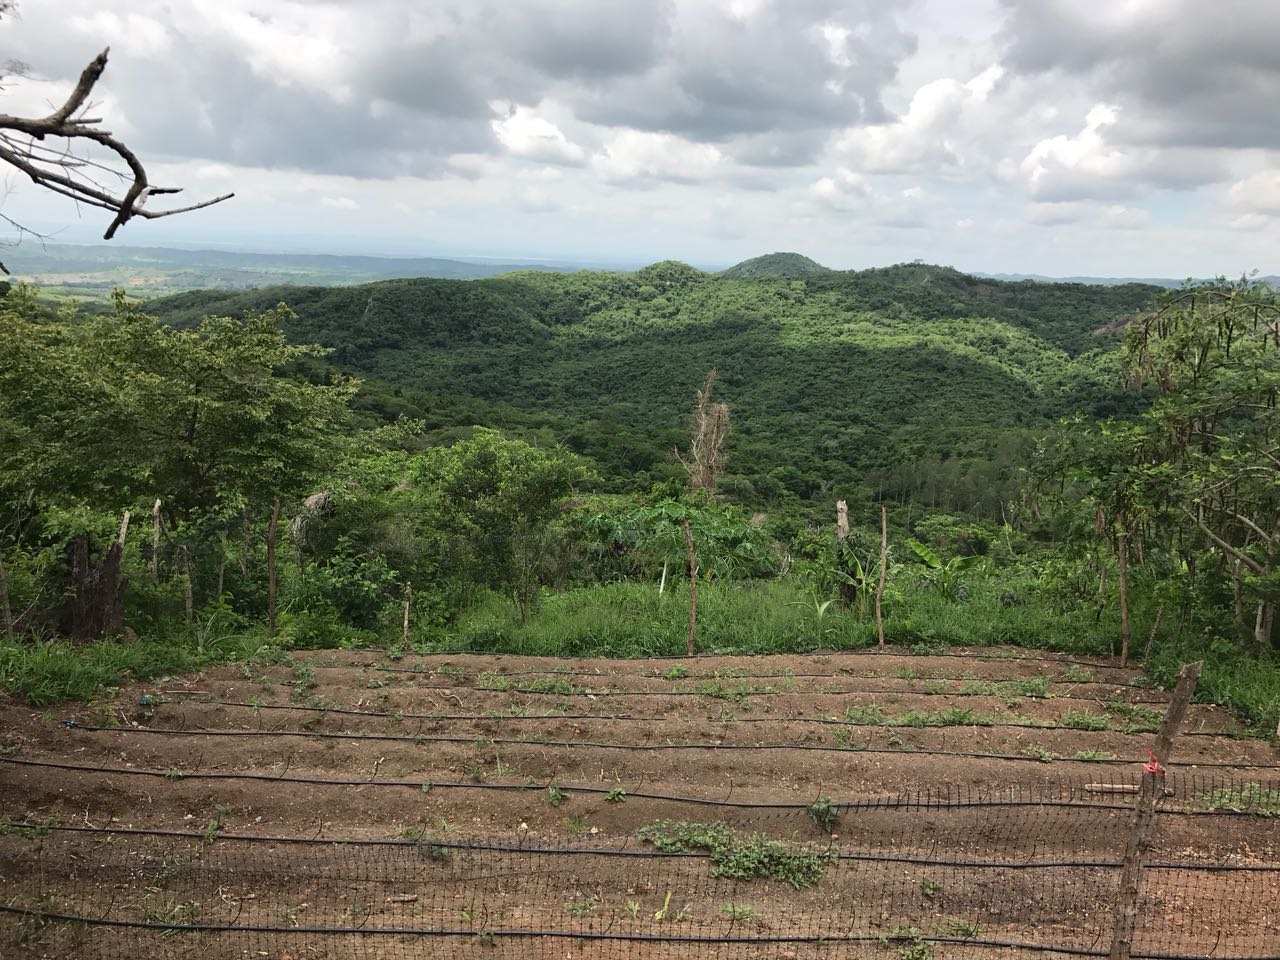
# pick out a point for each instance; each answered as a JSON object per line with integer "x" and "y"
{"x": 961, "y": 928}
{"x": 556, "y": 796}
{"x": 632, "y": 908}
{"x": 575, "y": 825}
{"x": 676, "y": 673}
{"x": 1040, "y": 752}
{"x": 1084, "y": 720}
{"x": 930, "y": 888}
{"x": 1094, "y": 755}
{"x": 581, "y": 907}
{"x": 616, "y": 795}
{"x": 824, "y": 813}
{"x": 738, "y": 911}
{"x": 1077, "y": 674}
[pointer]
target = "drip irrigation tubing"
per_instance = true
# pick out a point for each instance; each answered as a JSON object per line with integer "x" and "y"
{"x": 886, "y": 651}
{"x": 469, "y": 932}
{"x": 881, "y": 804}
{"x": 566, "y": 744}
{"x": 378, "y": 666}
{"x": 345, "y": 711}
{"x": 921, "y": 801}
{"x": 498, "y": 847}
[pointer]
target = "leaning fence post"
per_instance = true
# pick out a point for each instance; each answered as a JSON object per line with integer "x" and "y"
{"x": 1144, "y": 813}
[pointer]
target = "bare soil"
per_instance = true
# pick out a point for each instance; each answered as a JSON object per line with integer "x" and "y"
{"x": 494, "y": 795}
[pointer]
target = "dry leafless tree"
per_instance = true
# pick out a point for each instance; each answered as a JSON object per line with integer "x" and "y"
{"x": 49, "y": 151}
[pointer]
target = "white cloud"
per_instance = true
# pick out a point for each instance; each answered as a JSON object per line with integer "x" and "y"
{"x": 640, "y": 155}
{"x": 339, "y": 203}
{"x": 1257, "y": 195}
{"x": 527, "y": 134}
{"x": 938, "y": 132}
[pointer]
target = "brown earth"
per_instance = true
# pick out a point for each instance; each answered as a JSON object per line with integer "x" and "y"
{"x": 444, "y": 767}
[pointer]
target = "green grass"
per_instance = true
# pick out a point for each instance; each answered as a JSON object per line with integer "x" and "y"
{"x": 44, "y": 672}
{"x": 632, "y": 620}
{"x": 739, "y": 856}
{"x": 1250, "y": 798}
{"x": 1231, "y": 677}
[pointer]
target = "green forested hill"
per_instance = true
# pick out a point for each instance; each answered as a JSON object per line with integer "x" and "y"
{"x": 773, "y": 266}
{"x": 910, "y": 380}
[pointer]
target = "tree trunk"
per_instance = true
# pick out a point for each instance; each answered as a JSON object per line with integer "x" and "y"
{"x": 6, "y": 614}
{"x": 244, "y": 542}
{"x": 272, "y": 526}
{"x": 884, "y": 563}
{"x": 1237, "y": 594}
{"x": 1122, "y": 555}
{"x": 188, "y": 590}
{"x": 1155, "y": 627}
{"x": 842, "y": 520}
{"x": 97, "y": 606}
{"x": 1262, "y": 625}
{"x": 693, "y": 583}
{"x": 222, "y": 567}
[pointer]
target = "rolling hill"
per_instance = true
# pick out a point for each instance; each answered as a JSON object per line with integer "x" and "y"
{"x": 909, "y": 379}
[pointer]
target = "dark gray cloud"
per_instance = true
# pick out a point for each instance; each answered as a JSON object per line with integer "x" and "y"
{"x": 1187, "y": 72}
{"x": 380, "y": 87}
{"x": 790, "y": 71}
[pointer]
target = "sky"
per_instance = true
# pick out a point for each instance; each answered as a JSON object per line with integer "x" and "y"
{"x": 1059, "y": 137}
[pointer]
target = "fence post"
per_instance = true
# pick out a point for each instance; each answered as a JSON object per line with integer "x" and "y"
{"x": 1144, "y": 814}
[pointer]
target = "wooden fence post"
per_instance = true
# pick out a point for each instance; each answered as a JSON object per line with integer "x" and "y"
{"x": 842, "y": 520}
{"x": 271, "y": 568}
{"x": 156, "y": 527}
{"x": 884, "y": 562}
{"x": 1144, "y": 814}
{"x": 693, "y": 583}
{"x": 408, "y": 598}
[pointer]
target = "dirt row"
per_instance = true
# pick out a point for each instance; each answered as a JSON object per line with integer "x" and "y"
{"x": 452, "y": 753}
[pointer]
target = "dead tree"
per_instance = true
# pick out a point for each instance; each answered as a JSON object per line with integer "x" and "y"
{"x": 706, "y": 445}
{"x": 97, "y": 603}
{"x": 45, "y": 149}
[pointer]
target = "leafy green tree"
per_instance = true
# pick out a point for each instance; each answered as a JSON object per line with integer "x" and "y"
{"x": 498, "y": 505}
{"x": 1212, "y": 435}
{"x": 106, "y": 413}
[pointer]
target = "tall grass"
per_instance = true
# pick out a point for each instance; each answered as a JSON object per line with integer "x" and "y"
{"x": 778, "y": 616}
{"x": 1244, "y": 682}
{"x": 43, "y": 672}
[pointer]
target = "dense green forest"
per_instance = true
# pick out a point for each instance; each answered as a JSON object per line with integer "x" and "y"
{"x": 914, "y": 383}
{"x": 517, "y": 464}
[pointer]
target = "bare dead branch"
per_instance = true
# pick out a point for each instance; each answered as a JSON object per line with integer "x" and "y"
{"x": 59, "y": 171}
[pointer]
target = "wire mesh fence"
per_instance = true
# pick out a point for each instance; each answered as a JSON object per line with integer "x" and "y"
{"x": 1002, "y": 870}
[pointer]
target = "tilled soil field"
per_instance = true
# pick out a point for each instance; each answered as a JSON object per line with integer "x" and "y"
{"x": 870, "y": 804}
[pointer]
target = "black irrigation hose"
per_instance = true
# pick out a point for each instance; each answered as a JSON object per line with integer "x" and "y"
{"x": 577, "y": 935}
{"x": 886, "y": 651}
{"x": 566, "y": 744}
{"x": 490, "y": 846}
{"x": 842, "y": 674}
{"x": 785, "y": 719}
{"x": 884, "y": 803}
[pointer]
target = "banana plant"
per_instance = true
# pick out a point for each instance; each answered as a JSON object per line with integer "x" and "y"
{"x": 947, "y": 578}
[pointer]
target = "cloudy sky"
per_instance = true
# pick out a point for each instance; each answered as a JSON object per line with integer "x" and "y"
{"x": 1107, "y": 137}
